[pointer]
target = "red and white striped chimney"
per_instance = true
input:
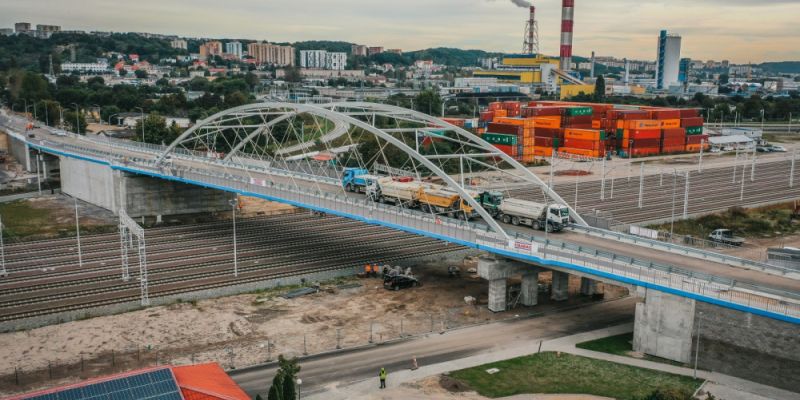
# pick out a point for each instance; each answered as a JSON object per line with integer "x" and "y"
{"x": 567, "y": 14}
{"x": 531, "y": 29}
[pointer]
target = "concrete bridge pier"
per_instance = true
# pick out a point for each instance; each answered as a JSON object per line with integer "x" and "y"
{"x": 588, "y": 287}
{"x": 560, "y": 286}
{"x": 664, "y": 325}
{"x": 497, "y": 272}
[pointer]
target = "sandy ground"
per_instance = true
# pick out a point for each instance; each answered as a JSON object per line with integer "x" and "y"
{"x": 236, "y": 331}
{"x": 434, "y": 388}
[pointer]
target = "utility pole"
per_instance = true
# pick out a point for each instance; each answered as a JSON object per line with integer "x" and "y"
{"x": 791, "y": 171}
{"x": 753, "y": 168}
{"x": 38, "y": 171}
{"x": 142, "y": 111}
{"x": 674, "y": 192}
{"x": 700, "y": 163}
{"x": 741, "y": 192}
{"x": 603, "y": 182}
{"x": 77, "y": 120}
{"x": 552, "y": 165}
{"x": 3, "y": 271}
{"x": 641, "y": 183}
{"x": 78, "y": 233}
{"x": 686, "y": 196}
{"x": 233, "y": 204}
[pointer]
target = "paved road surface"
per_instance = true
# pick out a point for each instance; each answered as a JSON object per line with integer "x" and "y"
{"x": 341, "y": 369}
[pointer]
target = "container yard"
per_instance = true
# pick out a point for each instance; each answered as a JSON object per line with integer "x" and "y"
{"x": 537, "y": 129}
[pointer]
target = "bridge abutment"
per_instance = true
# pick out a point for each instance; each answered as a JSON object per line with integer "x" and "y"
{"x": 664, "y": 325}
{"x": 141, "y": 196}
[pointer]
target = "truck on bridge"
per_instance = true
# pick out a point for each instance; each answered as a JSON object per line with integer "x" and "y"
{"x": 357, "y": 179}
{"x": 553, "y": 217}
{"x": 428, "y": 197}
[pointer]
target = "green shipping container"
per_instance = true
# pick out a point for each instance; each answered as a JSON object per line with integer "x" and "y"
{"x": 579, "y": 111}
{"x": 620, "y": 133}
{"x": 499, "y": 138}
{"x": 694, "y": 130}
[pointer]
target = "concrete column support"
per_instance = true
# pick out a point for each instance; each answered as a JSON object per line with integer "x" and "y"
{"x": 560, "y": 286}
{"x": 497, "y": 295}
{"x": 664, "y": 326}
{"x": 530, "y": 288}
{"x": 588, "y": 286}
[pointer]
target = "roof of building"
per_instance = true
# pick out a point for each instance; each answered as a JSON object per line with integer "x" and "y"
{"x": 191, "y": 382}
{"x": 207, "y": 382}
{"x": 728, "y": 139}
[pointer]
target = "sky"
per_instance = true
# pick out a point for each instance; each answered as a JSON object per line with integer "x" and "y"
{"x": 741, "y": 31}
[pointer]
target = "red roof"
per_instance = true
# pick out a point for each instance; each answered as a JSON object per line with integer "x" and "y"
{"x": 207, "y": 382}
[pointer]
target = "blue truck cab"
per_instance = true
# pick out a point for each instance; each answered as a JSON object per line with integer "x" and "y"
{"x": 357, "y": 179}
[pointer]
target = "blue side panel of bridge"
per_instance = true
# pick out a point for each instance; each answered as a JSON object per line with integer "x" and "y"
{"x": 530, "y": 258}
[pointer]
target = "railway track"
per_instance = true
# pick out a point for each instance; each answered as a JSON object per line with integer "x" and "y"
{"x": 709, "y": 191}
{"x": 268, "y": 248}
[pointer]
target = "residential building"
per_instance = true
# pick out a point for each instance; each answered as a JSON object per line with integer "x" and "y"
{"x": 358, "y": 50}
{"x": 179, "y": 44}
{"x": 235, "y": 49}
{"x": 668, "y": 60}
{"x": 6, "y": 31}
{"x": 321, "y": 59}
{"x": 684, "y": 70}
{"x": 48, "y": 28}
{"x": 95, "y": 67}
{"x": 371, "y": 51}
{"x": 22, "y": 27}
{"x": 267, "y": 53}
{"x": 210, "y": 49}
{"x": 313, "y": 59}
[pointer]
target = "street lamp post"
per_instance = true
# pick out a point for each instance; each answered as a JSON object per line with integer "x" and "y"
{"x": 641, "y": 184}
{"x": 686, "y": 196}
{"x": 298, "y": 382}
{"x": 674, "y": 192}
{"x": 78, "y": 234}
{"x": 233, "y": 204}
{"x": 142, "y": 110}
{"x": 697, "y": 344}
{"x": 77, "y": 120}
{"x": 109, "y": 118}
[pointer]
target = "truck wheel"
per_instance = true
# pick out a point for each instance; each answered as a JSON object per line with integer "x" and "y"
{"x": 536, "y": 225}
{"x": 425, "y": 208}
{"x": 506, "y": 219}
{"x": 515, "y": 221}
{"x": 349, "y": 188}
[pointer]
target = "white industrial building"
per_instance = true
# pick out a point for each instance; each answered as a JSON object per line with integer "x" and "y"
{"x": 321, "y": 59}
{"x": 95, "y": 68}
{"x": 668, "y": 61}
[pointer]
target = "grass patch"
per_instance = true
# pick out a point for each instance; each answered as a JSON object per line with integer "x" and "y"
{"x": 551, "y": 373}
{"x": 770, "y": 221}
{"x": 781, "y": 138}
{"x": 621, "y": 345}
{"x": 20, "y": 219}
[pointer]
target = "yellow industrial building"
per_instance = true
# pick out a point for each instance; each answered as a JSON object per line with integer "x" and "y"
{"x": 534, "y": 69}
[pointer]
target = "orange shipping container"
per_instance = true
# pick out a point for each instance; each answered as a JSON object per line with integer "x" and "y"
{"x": 583, "y": 134}
{"x": 543, "y": 151}
{"x": 509, "y": 121}
{"x": 644, "y": 124}
{"x": 500, "y": 114}
{"x": 670, "y": 123}
{"x": 547, "y": 122}
{"x": 582, "y": 152}
{"x": 596, "y": 124}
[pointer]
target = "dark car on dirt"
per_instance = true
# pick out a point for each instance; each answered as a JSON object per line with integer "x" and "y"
{"x": 397, "y": 282}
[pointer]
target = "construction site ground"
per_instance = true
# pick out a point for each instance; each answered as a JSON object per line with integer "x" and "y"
{"x": 249, "y": 329}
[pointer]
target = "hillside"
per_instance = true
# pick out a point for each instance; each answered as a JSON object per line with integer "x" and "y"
{"x": 782, "y": 67}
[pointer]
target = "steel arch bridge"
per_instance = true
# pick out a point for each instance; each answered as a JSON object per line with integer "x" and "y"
{"x": 370, "y": 136}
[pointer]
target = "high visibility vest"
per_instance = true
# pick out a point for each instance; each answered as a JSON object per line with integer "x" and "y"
{"x": 367, "y": 268}
{"x": 383, "y": 373}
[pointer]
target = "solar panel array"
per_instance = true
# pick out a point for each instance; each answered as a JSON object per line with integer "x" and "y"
{"x": 154, "y": 385}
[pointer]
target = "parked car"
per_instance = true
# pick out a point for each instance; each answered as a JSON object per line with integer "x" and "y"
{"x": 397, "y": 282}
{"x": 780, "y": 149}
{"x": 725, "y": 236}
{"x": 763, "y": 149}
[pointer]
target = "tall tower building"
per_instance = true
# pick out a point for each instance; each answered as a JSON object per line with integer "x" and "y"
{"x": 669, "y": 59}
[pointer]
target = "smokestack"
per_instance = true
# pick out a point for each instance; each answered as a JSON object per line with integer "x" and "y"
{"x": 531, "y": 22}
{"x": 567, "y": 14}
{"x": 530, "y": 44}
{"x": 592, "y": 71}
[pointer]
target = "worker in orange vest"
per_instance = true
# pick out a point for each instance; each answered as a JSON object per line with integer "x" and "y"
{"x": 367, "y": 270}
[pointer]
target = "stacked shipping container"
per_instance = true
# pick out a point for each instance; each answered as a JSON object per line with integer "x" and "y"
{"x": 541, "y": 127}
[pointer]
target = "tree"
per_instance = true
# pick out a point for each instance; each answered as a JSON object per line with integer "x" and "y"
{"x": 155, "y": 130}
{"x": 75, "y": 125}
{"x": 292, "y": 74}
{"x": 428, "y": 101}
{"x": 236, "y": 99}
{"x": 276, "y": 390}
{"x": 600, "y": 88}
{"x": 140, "y": 74}
{"x": 724, "y": 79}
{"x": 107, "y": 112}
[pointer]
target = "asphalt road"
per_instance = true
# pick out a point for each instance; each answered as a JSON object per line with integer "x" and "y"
{"x": 350, "y": 366}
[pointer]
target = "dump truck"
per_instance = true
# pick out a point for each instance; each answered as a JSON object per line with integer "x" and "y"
{"x": 357, "y": 179}
{"x": 398, "y": 190}
{"x": 440, "y": 200}
{"x": 540, "y": 216}
{"x": 725, "y": 236}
